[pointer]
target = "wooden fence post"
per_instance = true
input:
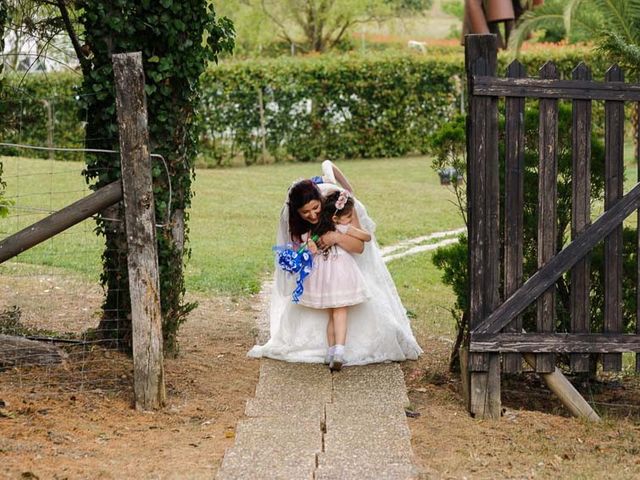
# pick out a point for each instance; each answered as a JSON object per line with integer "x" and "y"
{"x": 140, "y": 222}
{"x": 613, "y": 192}
{"x": 547, "y": 210}
{"x": 581, "y": 216}
{"x": 483, "y": 205}
{"x": 513, "y": 205}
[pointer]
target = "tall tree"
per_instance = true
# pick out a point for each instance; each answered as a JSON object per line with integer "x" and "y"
{"x": 316, "y": 25}
{"x": 177, "y": 39}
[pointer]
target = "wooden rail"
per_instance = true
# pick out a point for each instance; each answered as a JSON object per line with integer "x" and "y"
{"x": 483, "y": 85}
{"x": 60, "y": 221}
{"x": 555, "y": 342}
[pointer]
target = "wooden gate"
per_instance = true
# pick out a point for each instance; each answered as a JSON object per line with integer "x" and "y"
{"x": 496, "y": 263}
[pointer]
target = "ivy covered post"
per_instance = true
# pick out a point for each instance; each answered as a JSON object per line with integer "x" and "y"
{"x": 177, "y": 40}
{"x": 4, "y": 16}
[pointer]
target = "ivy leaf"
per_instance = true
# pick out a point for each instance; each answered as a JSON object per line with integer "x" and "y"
{"x": 154, "y": 59}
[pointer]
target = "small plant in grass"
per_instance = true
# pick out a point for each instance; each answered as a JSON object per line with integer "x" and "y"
{"x": 447, "y": 145}
{"x": 4, "y": 203}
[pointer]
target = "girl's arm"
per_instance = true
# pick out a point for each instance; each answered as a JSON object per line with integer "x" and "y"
{"x": 349, "y": 243}
{"x": 307, "y": 240}
{"x": 359, "y": 233}
{"x": 356, "y": 230}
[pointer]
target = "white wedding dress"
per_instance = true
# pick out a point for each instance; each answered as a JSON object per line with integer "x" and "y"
{"x": 378, "y": 329}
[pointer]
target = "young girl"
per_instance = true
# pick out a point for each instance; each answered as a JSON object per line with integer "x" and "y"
{"x": 336, "y": 282}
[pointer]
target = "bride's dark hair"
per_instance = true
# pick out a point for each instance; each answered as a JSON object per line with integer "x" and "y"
{"x": 326, "y": 223}
{"x": 300, "y": 194}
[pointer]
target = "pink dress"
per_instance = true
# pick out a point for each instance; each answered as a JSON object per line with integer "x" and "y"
{"x": 336, "y": 280}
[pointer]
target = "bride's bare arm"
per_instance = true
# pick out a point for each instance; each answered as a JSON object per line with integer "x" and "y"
{"x": 333, "y": 173}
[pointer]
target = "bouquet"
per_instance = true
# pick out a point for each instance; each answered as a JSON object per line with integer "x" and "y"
{"x": 294, "y": 261}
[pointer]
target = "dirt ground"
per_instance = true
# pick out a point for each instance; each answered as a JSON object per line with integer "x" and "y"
{"x": 95, "y": 433}
{"x": 535, "y": 438}
{"x": 56, "y": 429}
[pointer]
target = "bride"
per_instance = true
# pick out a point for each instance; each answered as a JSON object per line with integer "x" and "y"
{"x": 378, "y": 329}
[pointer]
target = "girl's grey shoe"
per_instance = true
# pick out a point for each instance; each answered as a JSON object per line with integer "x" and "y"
{"x": 336, "y": 363}
{"x": 328, "y": 358}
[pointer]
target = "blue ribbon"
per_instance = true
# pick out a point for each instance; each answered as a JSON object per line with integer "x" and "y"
{"x": 295, "y": 261}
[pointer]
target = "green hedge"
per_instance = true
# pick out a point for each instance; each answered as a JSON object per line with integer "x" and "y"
{"x": 337, "y": 107}
{"x": 42, "y": 109}
{"x": 350, "y": 106}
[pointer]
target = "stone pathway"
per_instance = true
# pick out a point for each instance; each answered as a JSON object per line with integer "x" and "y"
{"x": 416, "y": 245}
{"x": 307, "y": 423}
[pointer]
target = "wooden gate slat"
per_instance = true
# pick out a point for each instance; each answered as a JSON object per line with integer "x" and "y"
{"x": 638, "y": 246}
{"x": 513, "y": 205}
{"x": 614, "y": 178}
{"x": 547, "y": 220}
{"x": 581, "y": 214}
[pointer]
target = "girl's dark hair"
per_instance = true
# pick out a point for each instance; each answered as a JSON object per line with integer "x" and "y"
{"x": 326, "y": 223}
{"x": 299, "y": 195}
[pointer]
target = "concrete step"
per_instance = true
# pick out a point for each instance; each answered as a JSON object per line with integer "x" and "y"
{"x": 273, "y": 447}
{"x": 242, "y": 464}
{"x": 377, "y": 384}
{"x": 294, "y": 381}
{"x": 364, "y": 468}
{"x": 277, "y": 407}
{"x": 279, "y": 433}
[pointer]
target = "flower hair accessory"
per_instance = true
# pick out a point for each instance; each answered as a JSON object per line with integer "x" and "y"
{"x": 342, "y": 200}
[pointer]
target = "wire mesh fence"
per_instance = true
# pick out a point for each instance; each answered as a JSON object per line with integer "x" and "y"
{"x": 53, "y": 332}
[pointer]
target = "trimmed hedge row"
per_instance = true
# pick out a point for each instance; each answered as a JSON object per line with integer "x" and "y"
{"x": 336, "y": 107}
{"x": 44, "y": 110}
{"x": 307, "y": 109}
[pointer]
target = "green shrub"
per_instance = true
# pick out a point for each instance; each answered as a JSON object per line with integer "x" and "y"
{"x": 338, "y": 106}
{"x": 43, "y": 110}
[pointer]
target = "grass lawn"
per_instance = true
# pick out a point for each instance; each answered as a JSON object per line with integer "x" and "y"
{"x": 423, "y": 294}
{"x": 36, "y": 188}
{"x": 234, "y": 214}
